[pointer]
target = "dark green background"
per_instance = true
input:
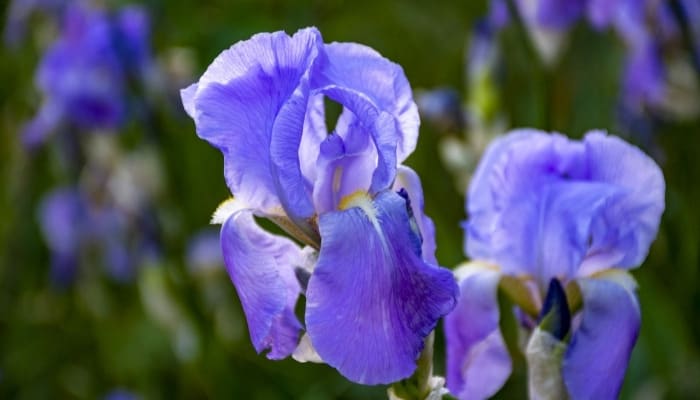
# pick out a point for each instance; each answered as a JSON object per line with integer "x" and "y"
{"x": 98, "y": 335}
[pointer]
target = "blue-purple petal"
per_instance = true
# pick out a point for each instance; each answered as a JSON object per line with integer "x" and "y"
{"x": 133, "y": 34}
{"x": 559, "y": 14}
{"x": 345, "y": 166}
{"x": 261, "y": 266}
{"x": 62, "y": 219}
{"x": 522, "y": 196}
{"x": 596, "y": 360}
{"x": 372, "y": 300}
{"x": 82, "y": 71}
{"x": 630, "y": 225}
{"x": 407, "y": 179}
{"x": 362, "y": 69}
{"x": 250, "y": 90}
{"x": 478, "y": 362}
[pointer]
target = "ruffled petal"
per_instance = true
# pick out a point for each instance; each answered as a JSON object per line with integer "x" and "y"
{"x": 345, "y": 166}
{"x": 522, "y": 196}
{"x": 596, "y": 360}
{"x": 407, "y": 179}
{"x": 371, "y": 300}
{"x": 261, "y": 266}
{"x": 314, "y": 133}
{"x": 507, "y": 196}
{"x": 250, "y": 90}
{"x": 187, "y": 96}
{"x": 629, "y": 225}
{"x": 478, "y": 362}
{"x": 359, "y": 109}
{"x": 362, "y": 69}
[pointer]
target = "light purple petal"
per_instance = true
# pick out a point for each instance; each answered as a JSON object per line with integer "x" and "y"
{"x": 345, "y": 166}
{"x": 506, "y": 198}
{"x": 381, "y": 125}
{"x": 204, "y": 251}
{"x": 37, "y": 131}
{"x": 629, "y": 225}
{"x": 596, "y": 360}
{"x": 362, "y": 69}
{"x": 478, "y": 362}
{"x": 261, "y": 266}
{"x": 62, "y": 218}
{"x": 133, "y": 28}
{"x": 315, "y": 132}
{"x": 644, "y": 81}
{"x": 601, "y": 12}
{"x": 559, "y": 14}
{"x": 251, "y": 89}
{"x": 548, "y": 206}
{"x": 187, "y": 95}
{"x": 407, "y": 179}
{"x": 82, "y": 71}
{"x": 371, "y": 300}
{"x": 555, "y": 16}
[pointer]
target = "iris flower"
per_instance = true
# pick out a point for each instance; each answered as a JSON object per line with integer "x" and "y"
{"x": 70, "y": 225}
{"x": 373, "y": 289}
{"x": 84, "y": 74}
{"x": 547, "y": 215}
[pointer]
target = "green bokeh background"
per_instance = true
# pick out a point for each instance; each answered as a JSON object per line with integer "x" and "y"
{"x": 98, "y": 335}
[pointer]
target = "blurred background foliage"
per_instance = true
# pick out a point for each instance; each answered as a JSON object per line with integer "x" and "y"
{"x": 177, "y": 331}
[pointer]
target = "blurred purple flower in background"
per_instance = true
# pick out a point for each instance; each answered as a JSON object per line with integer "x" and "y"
{"x": 83, "y": 75}
{"x": 71, "y": 225}
{"x": 62, "y": 219}
{"x": 662, "y": 41}
{"x": 204, "y": 251}
{"x": 548, "y": 212}
{"x": 373, "y": 289}
{"x": 107, "y": 218}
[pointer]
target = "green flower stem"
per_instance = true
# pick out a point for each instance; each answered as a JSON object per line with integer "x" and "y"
{"x": 417, "y": 386}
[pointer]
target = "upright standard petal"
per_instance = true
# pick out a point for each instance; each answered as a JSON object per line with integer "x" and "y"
{"x": 359, "y": 109}
{"x": 345, "y": 166}
{"x": 362, "y": 69}
{"x": 523, "y": 193}
{"x": 371, "y": 300}
{"x": 596, "y": 360}
{"x": 629, "y": 225}
{"x": 251, "y": 89}
{"x": 478, "y": 362}
{"x": 261, "y": 266}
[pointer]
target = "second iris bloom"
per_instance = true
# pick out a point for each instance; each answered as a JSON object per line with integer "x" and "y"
{"x": 372, "y": 286}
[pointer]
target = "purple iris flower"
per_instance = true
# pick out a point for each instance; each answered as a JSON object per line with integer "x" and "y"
{"x": 552, "y": 14}
{"x": 204, "y": 251}
{"x": 62, "y": 216}
{"x": 542, "y": 208}
{"x": 644, "y": 75}
{"x": 373, "y": 289}
{"x": 83, "y": 75}
{"x": 70, "y": 224}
